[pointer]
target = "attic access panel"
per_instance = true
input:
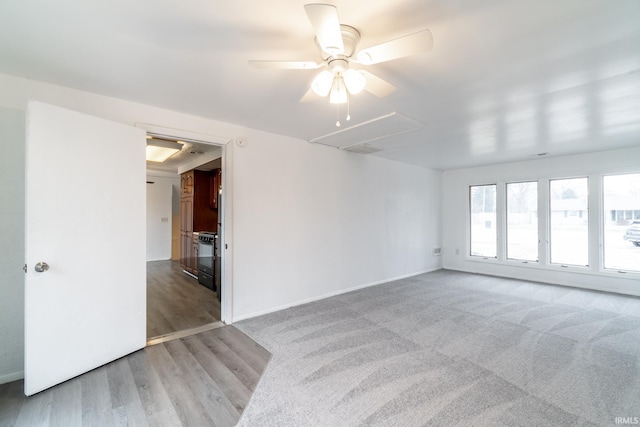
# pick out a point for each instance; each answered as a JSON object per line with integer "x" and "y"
{"x": 372, "y": 130}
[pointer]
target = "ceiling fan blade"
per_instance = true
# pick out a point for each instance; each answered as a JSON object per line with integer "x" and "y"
{"x": 412, "y": 44}
{"x": 376, "y": 86}
{"x": 310, "y": 96}
{"x": 326, "y": 25}
{"x": 285, "y": 65}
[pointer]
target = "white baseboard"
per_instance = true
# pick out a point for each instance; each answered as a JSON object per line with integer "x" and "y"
{"x": 14, "y": 376}
{"x": 328, "y": 295}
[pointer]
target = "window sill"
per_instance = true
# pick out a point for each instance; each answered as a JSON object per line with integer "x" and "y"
{"x": 536, "y": 265}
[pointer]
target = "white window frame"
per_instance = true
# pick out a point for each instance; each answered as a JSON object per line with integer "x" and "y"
{"x": 506, "y": 221}
{"x": 596, "y": 218}
{"x": 498, "y": 224}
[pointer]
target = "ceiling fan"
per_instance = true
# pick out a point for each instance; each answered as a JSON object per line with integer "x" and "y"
{"x": 338, "y": 45}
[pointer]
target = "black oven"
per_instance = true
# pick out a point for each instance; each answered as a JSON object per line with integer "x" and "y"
{"x": 207, "y": 245}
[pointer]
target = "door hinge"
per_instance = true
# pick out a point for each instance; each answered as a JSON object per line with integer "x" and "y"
{"x": 25, "y": 268}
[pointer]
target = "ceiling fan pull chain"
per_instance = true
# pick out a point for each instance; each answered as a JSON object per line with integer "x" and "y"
{"x": 337, "y": 115}
{"x": 348, "y": 106}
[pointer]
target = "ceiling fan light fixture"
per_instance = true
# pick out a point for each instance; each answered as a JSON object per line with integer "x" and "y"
{"x": 338, "y": 45}
{"x": 338, "y": 94}
{"x": 321, "y": 85}
{"x": 354, "y": 81}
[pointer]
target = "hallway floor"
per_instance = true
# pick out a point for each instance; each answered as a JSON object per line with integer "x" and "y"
{"x": 176, "y": 301}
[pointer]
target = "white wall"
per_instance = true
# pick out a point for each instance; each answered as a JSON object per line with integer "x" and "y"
{"x": 12, "y": 131}
{"x": 303, "y": 221}
{"x": 455, "y": 212}
{"x": 162, "y": 196}
{"x": 313, "y": 221}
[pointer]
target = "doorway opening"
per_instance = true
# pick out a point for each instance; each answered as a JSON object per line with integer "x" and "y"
{"x": 185, "y": 282}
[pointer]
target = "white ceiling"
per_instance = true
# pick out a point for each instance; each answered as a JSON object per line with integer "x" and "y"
{"x": 506, "y": 79}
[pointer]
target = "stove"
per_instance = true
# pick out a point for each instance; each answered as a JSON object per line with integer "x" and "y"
{"x": 207, "y": 249}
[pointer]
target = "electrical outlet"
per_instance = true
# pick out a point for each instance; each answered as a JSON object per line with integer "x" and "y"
{"x": 437, "y": 251}
{"x": 457, "y": 251}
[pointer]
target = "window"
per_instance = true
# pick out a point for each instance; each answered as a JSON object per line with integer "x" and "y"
{"x": 621, "y": 194}
{"x": 522, "y": 221}
{"x": 482, "y": 200}
{"x": 569, "y": 221}
{"x": 516, "y": 234}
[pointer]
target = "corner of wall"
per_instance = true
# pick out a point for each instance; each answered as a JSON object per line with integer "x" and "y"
{"x": 12, "y": 212}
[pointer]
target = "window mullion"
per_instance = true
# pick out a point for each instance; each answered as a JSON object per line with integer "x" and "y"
{"x": 501, "y": 222}
{"x": 595, "y": 223}
{"x": 544, "y": 210}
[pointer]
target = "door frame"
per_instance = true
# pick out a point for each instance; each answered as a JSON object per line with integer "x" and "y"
{"x": 226, "y": 216}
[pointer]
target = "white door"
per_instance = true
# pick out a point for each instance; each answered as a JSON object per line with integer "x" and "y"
{"x": 85, "y": 218}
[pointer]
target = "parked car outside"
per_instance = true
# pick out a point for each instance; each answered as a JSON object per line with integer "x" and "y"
{"x": 632, "y": 233}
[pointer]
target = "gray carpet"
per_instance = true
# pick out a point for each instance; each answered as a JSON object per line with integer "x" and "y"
{"x": 450, "y": 348}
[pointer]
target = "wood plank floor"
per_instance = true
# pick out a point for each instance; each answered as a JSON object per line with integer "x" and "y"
{"x": 176, "y": 301}
{"x": 205, "y": 379}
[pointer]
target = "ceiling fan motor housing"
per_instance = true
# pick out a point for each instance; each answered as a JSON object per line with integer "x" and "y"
{"x": 350, "y": 40}
{"x": 338, "y": 65}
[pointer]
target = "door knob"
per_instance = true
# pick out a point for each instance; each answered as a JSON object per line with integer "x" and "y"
{"x": 41, "y": 267}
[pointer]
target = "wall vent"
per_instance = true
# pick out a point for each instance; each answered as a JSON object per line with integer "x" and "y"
{"x": 366, "y": 132}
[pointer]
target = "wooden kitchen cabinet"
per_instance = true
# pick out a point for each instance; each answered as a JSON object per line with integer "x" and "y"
{"x": 196, "y": 214}
{"x": 186, "y": 251}
{"x": 186, "y": 214}
{"x": 187, "y": 180}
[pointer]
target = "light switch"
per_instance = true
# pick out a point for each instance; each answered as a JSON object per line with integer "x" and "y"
{"x": 164, "y": 219}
